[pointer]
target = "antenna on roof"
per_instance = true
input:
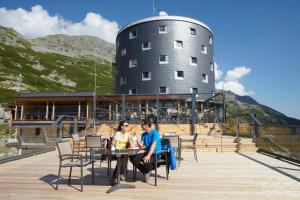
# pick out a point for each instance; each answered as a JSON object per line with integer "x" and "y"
{"x": 153, "y": 7}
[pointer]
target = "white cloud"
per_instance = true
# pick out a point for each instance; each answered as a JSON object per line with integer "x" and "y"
{"x": 38, "y": 22}
{"x": 232, "y": 81}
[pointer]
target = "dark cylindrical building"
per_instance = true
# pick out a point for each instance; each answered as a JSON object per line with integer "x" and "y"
{"x": 164, "y": 54}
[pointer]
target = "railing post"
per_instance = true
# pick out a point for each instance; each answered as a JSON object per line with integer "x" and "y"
{"x": 157, "y": 112}
{"x": 193, "y": 112}
{"x": 237, "y": 127}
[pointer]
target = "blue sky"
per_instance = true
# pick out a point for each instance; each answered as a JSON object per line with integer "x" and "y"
{"x": 261, "y": 35}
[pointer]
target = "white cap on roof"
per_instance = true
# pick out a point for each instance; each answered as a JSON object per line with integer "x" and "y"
{"x": 165, "y": 17}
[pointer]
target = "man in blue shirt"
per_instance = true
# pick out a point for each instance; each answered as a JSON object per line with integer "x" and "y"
{"x": 151, "y": 142}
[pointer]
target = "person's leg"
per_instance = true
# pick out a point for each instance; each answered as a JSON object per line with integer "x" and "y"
{"x": 124, "y": 162}
{"x": 137, "y": 161}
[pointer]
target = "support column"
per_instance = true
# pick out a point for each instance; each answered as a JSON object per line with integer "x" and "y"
{"x": 47, "y": 111}
{"x": 87, "y": 109}
{"x": 109, "y": 108}
{"x": 22, "y": 111}
{"x": 16, "y": 112}
{"x": 147, "y": 110}
{"x": 79, "y": 110}
{"x": 117, "y": 114}
{"x": 53, "y": 111}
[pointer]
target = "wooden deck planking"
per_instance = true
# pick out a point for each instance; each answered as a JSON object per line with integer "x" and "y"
{"x": 215, "y": 176}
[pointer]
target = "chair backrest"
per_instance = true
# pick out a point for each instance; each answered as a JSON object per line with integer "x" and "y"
{"x": 170, "y": 133}
{"x": 64, "y": 148}
{"x": 75, "y": 138}
{"x": 174, "y": 140}
{"x": 165, "y": 141}
{"x": 93, "y": 141}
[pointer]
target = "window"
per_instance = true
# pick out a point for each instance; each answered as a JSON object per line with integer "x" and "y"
{"x": 178, "y": 44}
{"x": 132, "y": 63}
{"x": 210, "y": 40}
{"x": 123, "y": 52}
{"x": 203, "y": 49}
{"x": 163, "y": 59}
{"x": 163, "y": 90}
{"x": 193, "y": 61}
{"x": 194, "y": 90}
{"x": 204, "y": 78}
{"x": 212, "y": 67}
{"x": 162, "y": 29}
{"x": 132, "y": 91}
{"x": 146, "y": 45}
{"x": 179, "y": 75}
{"x": 122, "y": 80}
{"x": 132, "y": 34}
{"x": 192, "y": 31}
{"x": 146, "y": 76}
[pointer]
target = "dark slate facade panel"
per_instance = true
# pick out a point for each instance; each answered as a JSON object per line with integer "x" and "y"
{"x": 162, "y": 75}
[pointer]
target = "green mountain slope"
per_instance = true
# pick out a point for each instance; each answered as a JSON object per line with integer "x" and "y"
{"x": 236, "y": 104}
{"x": 23, "y": 69}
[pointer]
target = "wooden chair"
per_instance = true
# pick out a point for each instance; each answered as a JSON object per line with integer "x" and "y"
{"x": 69, "y": 160}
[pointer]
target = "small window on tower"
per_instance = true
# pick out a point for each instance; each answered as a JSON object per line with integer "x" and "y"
{"x": 123, "y": 52}
{"x": 132, "y": 91}
{"x": 178, "y": 44}
{"x": 132, "y": 34}
{"x": 179, "y": 75}
{"x": 122, "y": 80}
{"x": 204, "y": 78}
{"x": 212, "y": 67}
{"x": 146, "y": 45}
{"x": 193, "y": 61}
{"x": 210, "y": 40}
{"x": 203, "y": 49}
{"x": 162, "y": 29}
{"x": 146, "y": 76}
{"x": 163, "y": 59}
{"x": 192, "y": 31}
{"x": 132, "y": 63}
{"x": 194, "y": 90}
{"x": 163, "y": 90}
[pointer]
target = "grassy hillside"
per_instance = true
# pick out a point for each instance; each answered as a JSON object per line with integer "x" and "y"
{"x": 24, "y": 70}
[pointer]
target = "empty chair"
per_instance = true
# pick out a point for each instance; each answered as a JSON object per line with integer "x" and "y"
{"x": 175, "y": 143}
{"x": 77, "y": 143}
{"x": 70, "y": 160}
{"x": 94, "y": 146}
{"x": 190, "y": 144}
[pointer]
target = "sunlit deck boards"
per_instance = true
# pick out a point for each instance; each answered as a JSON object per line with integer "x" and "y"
{"x": 215, "y": 176}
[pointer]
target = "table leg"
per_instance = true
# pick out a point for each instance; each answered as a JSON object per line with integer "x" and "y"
{"x": 119, "y": 185}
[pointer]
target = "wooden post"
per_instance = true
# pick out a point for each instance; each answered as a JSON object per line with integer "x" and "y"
{"x": 79, "y": 110}
{"x": 47, "y": 110}
{"x": 117, "y": 111}
{"x": 87, "y": 109}
{"x": 53, "y": 111}
{"x": 146, "y": 107}
{"x": 16, "y": 112}
{"x": 109, "y": 108}
{"x": 22, "y": 111}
